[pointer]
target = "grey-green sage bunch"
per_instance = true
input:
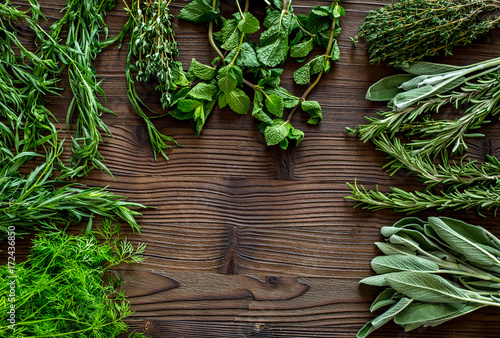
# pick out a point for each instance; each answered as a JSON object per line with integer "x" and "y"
{"x": 433, "y": 271}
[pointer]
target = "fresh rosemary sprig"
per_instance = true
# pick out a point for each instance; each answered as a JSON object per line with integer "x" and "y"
{"x": 424, "y": 145}
{"x": 409, "y": 30}
{"x": 61, "y": 289}
{"x": 418, "y": 255}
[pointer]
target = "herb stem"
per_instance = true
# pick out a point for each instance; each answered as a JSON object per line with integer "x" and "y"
{"x": 318, "y": 78}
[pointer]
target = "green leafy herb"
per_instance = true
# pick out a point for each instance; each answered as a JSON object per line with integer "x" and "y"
{"x": 415, "y": 140}
{"x": 152, "y": 42}
{"x": 418, "y": 255}
{"x": 60, "y": 290}
{"x": 410, "y": 30}
{"x": 241, "y": 64}
{"x": 38, "y": 197}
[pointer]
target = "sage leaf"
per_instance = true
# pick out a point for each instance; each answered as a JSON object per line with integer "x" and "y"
{"x": 383, "y": 318}
{"x": 384, "y": 299}
{"x": 406, "y": 99}
{"x": 394, "y": 249}
{"x": 426, "y": 287}
{"x": 376, "y": 280}
{"x": 466, "y": 246}
{"x": 394, "y": 263}
{"x": 429, "y": 68}
{"x": 423, "y": 312}
{"x": 387, "y": 88}
{"x": 392, "y": 312}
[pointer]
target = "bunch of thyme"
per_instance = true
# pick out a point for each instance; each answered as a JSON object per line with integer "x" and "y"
{"x": 410, "y": 30}
{"x": 424, "y": 145}
{"x": 152, "y": 43}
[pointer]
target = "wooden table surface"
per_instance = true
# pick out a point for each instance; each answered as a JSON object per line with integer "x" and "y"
{"x": 246, "y": 240}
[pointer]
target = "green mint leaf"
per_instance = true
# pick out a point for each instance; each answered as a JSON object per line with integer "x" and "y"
{"x": 238, "y": 101}
{"x": 222, "y": 101}
{"x": 275, "y": 105}
{"x": 335, "y": 55}
{"x": 246, "y": 58}
{"x": 274, "y": 53}
{"x": 274, "y": 41}
{"x": 249, "y": 24}
{"x": 302, "y": 76}
{"x": 270, "y": 77}
{"x": 284, "y": 144}
{"x": 203, "y": 91}
{"x": 188, "y": 105}
{"x": 231, "y": 35}
{"x": 338, "y": 11}
{"x": 296, "y": 134}
{"x": 276, "y": 132}
{"x": 227, "y": 83}
{"x": 180, "y": 115}
{"x": 319, "y": 20}
{"x": 290, "y": 100}
{"x": 178, "y": 76}
{"x": 201, "y": 71}
{"x": 317, "y": 65}
{"x": 258, "y": 108}
{"x": 302, "y": 49}
{"x": 314, "y": 109}
{"x": 199, "y": 11}
{"x": 201, "y": 116}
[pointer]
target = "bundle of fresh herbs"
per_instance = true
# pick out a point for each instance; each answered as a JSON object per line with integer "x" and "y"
{"x": 417, "y": 256}
{"x": 409, "y": 30}
{"x": 29, "y": 76}
{"x": 193, "y": 95}
{"x": 420, "y": 143}
{"x": 61, "y": 289}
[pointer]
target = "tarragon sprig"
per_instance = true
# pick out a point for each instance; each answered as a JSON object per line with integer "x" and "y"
{"x": 433, "y": 271}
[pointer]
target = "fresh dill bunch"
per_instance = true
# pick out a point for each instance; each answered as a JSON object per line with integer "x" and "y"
{"x": 410, "y": 30}
{"x": 61, "y": 289}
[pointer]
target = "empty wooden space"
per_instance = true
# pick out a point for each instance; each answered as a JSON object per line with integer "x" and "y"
{"x": 245, "y": 240}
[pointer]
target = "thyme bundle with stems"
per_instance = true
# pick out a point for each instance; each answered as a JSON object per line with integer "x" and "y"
{"x": 433, "y": 271}
{"x": 152, "y": 42}
{"x": 61, "y": 289}
{"x": 415, "y": 140}
{"x": 410, "y": 30}
{"x": 193, "y": 95}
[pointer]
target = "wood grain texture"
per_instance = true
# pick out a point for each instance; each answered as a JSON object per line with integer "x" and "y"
{"x": 250, "y": 241}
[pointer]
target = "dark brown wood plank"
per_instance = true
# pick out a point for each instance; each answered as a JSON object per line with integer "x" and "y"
{"x": 250, "y": 241}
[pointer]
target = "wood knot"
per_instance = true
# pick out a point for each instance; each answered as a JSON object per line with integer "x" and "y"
{"x": 273, "y": 280}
